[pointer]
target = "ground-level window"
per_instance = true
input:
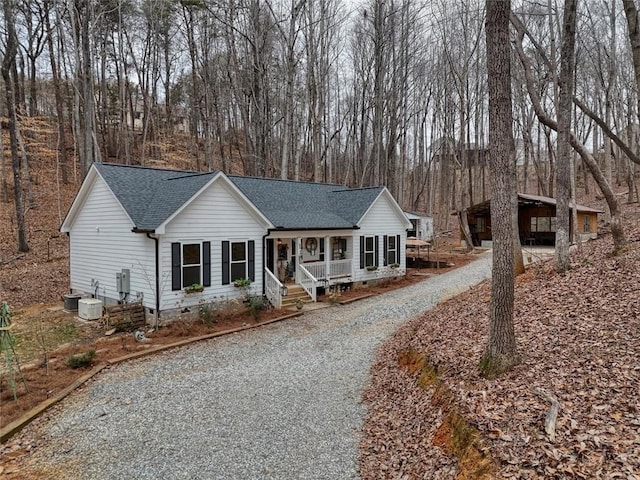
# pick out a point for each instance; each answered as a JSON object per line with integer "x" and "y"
{"x": 238, "y": 261}
{"x": 543, "y": 224}
{"x": 368, "y": 251}
{"x": 190, "y": 264}
{"x": 391, "y": 249}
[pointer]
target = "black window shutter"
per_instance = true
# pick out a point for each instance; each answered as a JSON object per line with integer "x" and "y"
{"x": 385, "y": 250}
{"x": 375, "y": 253}
{"x": 225, "y": 263}
{"x": 397, "y": 249}
{"x": 361, "y": 252}
{"x": 321, "y": 255}
{"x": 206, "y": 264}
{"x": 251, "y": 260}
{"x": 176, "y": 278}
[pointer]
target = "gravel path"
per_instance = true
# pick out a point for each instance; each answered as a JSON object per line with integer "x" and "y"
{"x": 279, "y": 402}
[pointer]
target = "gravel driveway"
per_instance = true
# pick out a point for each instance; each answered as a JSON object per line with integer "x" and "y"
{"x": 278, "y": 402}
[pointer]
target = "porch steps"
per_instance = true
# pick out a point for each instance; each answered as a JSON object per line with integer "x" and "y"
{"x": 295, "y": 292}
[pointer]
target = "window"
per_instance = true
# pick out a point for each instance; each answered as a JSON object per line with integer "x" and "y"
{"x": 543, "y": 224}
{"x": 586, "y": 225}
{"x": 392, "y": 245}
{"x": 190, "y": 263}
{"x": 480, "y": 224}
{"x": 368, "y": 251}
{"x": 238, "y": 261}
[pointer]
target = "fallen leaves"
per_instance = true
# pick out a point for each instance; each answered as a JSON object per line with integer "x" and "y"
{"x": 579, "y": 337}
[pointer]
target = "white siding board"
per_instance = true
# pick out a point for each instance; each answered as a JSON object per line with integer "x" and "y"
{"x": 381, "y": 219}
{"x": 216, "y": 215}
{"x": 102, "y": 244}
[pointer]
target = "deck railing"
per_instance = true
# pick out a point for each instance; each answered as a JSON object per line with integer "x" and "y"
{"x": 273, "y": 289}
{"x": 337, "y": 268}
{"x": 308, "y": 281}
{"x": 340, "y": 268}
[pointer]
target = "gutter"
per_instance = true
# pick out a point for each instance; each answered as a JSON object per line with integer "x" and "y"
{"x": 310, "y": 229}
{"x": 157, "y": 248}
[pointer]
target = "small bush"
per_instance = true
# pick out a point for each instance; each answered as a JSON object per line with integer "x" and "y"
{"x": 209, "y": 311}
{"x": 256, "y": 304}
{"x": 82, "y": 360}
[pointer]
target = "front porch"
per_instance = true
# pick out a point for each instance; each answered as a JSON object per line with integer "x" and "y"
{"x": 310, "y": 262}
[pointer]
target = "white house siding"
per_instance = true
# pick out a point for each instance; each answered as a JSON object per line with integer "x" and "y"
{"x": 216, "y": 215}
{"x": 381, "y": 219}
{"x": 102, "y": 244}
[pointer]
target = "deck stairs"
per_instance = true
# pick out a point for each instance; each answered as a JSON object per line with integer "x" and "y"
{"x": 295, "y": 292}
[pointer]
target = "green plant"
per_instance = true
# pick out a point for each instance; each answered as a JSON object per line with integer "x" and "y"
{"x": 395, "y": 265}
{"x": 256, "y": 304}
{"x": 209, "y": 310}
{"x": 372, "y": 268}
{"x": 242, "y": 282}
{"x": 194, "y": 288}
{"x": 82, "y": 360}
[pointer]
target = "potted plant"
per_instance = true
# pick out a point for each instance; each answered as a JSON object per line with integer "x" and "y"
{"x": 242, "y": 282}
{"x": 372, "y": 268}
{"x": 394, "y": 265}
{"x": 193, "y": 288}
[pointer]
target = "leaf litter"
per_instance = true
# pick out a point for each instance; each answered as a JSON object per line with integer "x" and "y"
{"x": 578, "y": 336}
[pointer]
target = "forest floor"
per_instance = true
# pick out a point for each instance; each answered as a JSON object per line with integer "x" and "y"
{"x": 431, "y": 414}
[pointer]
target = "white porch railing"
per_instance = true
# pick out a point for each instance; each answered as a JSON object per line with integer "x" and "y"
{"x": 337, "y": 268}
{"x": 308, "y": 281}
{"x": 273, "y": 289}
{"x": 340, "y": 268}
{"x": 317, "y": 269}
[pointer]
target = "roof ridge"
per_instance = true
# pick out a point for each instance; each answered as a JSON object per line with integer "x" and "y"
{"x": 191, "y": 175}
{"x": 351, "y": 189}
{"x": 146, "y": 167}
{"x": 307, "y": 182}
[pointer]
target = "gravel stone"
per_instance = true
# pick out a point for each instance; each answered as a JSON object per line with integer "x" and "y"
{"x": 279, "y": 402}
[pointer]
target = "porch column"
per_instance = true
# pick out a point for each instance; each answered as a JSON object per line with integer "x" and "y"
{"x": 298, "y": 258}
{"x": 327, "y": 257}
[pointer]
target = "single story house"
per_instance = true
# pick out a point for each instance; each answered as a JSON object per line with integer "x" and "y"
{"x": 152, "y": 234}
{"x": 421, "y": 226}
{"x": 536, "y": 221}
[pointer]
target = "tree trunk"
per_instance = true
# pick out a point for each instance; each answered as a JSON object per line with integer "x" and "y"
{"x": 563, "y": 161}
{"x": 501, "y": 353}
{"x": 8, "y": 65}
{"x": 62, "y": 142}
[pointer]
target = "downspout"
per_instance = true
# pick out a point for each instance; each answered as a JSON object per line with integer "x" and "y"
{"x": 264, "y": 261}
{"x": 155, "y": 240}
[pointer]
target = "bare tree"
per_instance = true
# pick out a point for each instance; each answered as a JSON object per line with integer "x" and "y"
{"x": 10, "y": 82}
{"x": 565, "y": 105}
{"x": 501, "y": 353}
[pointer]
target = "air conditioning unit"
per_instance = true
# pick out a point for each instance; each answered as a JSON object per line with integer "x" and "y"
{"x": 90, "y": 308}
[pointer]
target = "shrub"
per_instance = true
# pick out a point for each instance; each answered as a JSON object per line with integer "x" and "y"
{"x": 255, "y": 305}
{"x": 82, "y": 360}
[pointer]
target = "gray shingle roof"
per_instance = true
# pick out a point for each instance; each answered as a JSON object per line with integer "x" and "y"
{"x": 305, "y": 205}
{"x": 150, "y": 196}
